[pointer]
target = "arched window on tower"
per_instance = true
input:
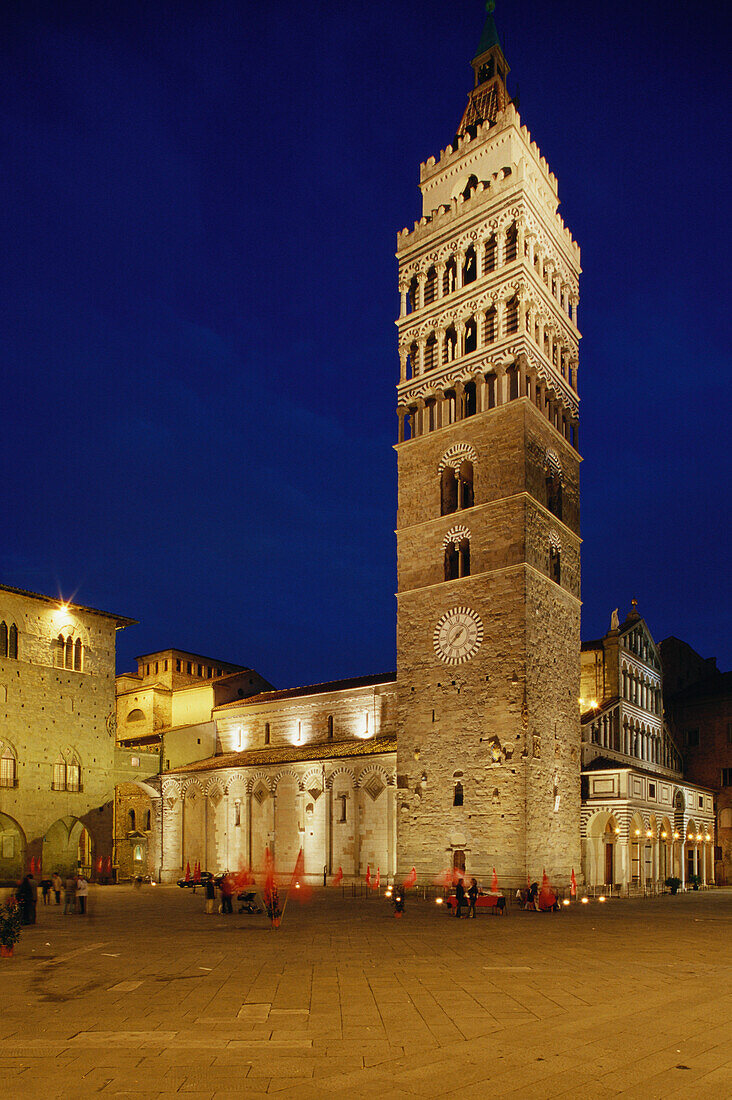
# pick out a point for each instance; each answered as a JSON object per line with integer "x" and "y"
{"x": 457, "y": 795}
{"x": 471, "y": 336}
{"x": 330, "y": 727}
{"x": 470, "y": 268}
{"x": 131, "y": 820}
{"x": 512, "y": 375}
{"x": 13, "y": 642}
{"x": 512, "y": 316}
{"x": 3, "y": 639}
{"x": 491, "y": 325}
{"x": 465, "y": 485}
{"x": 457, "y": 559}
{"x": 449, "y": 279}
{"x": 448, "y": 492}
{"x": 489, "y": 263}
{"x": 58, "y": 780}
{"x": 430, "y": 352}
{"x": 470, "y": 399}
{"x": 78, "y": 655}
{"x": 69, "y": 653}
{"x": 412, "y": 295}
{"x": 413, "y": 360}
{"x": 430, "y": 287}
{"x": 450, "y": 351}
{"x": 73, "y": 775}
{"x": 148, "y": 820}
{"x": 511, "y": 251}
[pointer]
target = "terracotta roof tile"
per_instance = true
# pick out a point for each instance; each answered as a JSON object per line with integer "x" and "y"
{"x": 291, "y": 754}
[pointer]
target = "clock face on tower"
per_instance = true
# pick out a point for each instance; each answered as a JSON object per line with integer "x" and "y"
{"x": 458, "y": 635}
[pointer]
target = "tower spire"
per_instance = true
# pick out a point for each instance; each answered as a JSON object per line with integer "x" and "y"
{"x": 489, "y": 95}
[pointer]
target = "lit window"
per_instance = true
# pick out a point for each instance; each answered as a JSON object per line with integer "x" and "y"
{"x": 58, "y": 782}
{"x": 73, "y": 776}
{"x": 135, "y": 761}
{"x": 7, "y": 769}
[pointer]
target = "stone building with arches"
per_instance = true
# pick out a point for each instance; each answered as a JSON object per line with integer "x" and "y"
{"x": 311, "y": 768}
{"x": 642, "y": 820}
{"x": 58, "y": 759}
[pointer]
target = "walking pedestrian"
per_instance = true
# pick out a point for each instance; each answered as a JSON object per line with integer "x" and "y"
{"x": 70, "y": 894}
{"x": 57, "y": 884}
{"x": 46, "y": 888}
{"x": 82, "y": 892}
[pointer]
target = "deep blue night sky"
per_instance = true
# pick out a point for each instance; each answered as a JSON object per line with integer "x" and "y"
{"x": 198, "y": 210}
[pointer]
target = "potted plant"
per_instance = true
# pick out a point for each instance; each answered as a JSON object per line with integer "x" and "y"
{"x": 694, "y": 881}
{"x": 9, "y": 926}
{"x": 673, "y": 884}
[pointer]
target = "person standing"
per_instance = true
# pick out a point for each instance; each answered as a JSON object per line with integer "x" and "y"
{"x": 473, "y": 896}
{"x": 28, "y": 897}
{"x": 69, "y": 894}
{"x": 57, "y": 886}
{"x": 82, "y": 892}
{"x": 459, "y": 898}
{"x": 46, "y": 888}
{"x": 227, "y": 891}
{"x": 210, "y": 895}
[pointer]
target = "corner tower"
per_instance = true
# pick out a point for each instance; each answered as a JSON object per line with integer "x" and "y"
{"x": 488, "y": 622}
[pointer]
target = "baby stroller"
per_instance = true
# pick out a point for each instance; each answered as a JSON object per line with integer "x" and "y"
{"x": 249, "y": 902}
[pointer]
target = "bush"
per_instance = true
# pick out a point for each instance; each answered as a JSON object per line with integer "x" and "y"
{"x": 673, "y": 884}
{"x": 9, "y": 923}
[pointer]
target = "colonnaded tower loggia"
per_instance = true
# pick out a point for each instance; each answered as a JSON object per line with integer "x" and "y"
{"x": 488, "y": 622}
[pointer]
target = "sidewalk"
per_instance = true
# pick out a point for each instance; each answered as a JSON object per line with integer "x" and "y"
{"x": 147, "y": 996}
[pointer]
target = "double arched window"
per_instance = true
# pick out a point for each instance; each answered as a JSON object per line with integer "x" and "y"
{"x": 66, "y": 773}
{"x": 457, "y": 553}
{"x": 8, "y": 640}
{"x": 8, "y": 767}
{"x": 69, "y": 653}
{"x": 456, "y": 488}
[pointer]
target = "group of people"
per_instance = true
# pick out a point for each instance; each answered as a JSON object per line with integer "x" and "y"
{"x": 75, "y": 889}
{"x": 226, "y": 888}
{"x": 467, "y": 897}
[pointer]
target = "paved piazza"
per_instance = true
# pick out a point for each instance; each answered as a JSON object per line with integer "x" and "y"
{"x": 148, "y": 996}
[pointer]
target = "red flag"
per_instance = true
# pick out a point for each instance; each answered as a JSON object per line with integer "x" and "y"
{"x": 100, "y": 865}
{"x": 411, "y": 879}
{"x": 338, "y": 877}
{"x": 494, "y": 882}
{"x": 297, "y": 883}
{"x": 573, "y": 880}
{"x": 188, "y": 871}
{"x": 547, "y": 899}
{"x": 377, "y": 884}
{"x": 197, "y": 873}
{"x": 368, "y": 874}
{"x": 444, "y": 880}
{"x": 108, "y": 865}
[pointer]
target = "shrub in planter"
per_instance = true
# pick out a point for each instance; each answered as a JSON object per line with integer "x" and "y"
{"x": 695, "y": 881}
{"x": 9, "y": 925}
{"x": 673, "y": 884}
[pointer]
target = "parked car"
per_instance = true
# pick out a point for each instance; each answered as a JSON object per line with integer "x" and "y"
{"x": 205, "y": 876}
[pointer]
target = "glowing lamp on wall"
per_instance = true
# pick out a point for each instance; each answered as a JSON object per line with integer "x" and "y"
{"x": 676, "y": 836}
{"x": 637, "y": 832}
{"x": 649, "y": 833}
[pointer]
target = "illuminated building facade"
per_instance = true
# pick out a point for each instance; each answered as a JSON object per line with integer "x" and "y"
{"x": 488, "y": 547}
{"x": 642, "y": 820}
{"x": 58, "y": 762}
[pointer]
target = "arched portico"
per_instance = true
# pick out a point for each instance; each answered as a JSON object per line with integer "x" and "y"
{"x": 605, "y": 862}
{"x": 67, "y": 848}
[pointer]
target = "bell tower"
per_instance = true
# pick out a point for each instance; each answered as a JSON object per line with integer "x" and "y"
{"x": 488, "y": 546}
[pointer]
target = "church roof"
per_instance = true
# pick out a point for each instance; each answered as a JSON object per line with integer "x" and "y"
{"x": 292, "y": 754}
{"x": 313, "y": 689}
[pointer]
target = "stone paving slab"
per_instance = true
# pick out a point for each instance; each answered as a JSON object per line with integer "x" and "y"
{"x": 148, "y": 997}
